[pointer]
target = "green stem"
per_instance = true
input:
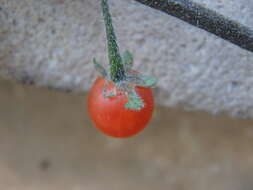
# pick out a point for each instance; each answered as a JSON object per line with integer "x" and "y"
{"x": 117, "y": 72}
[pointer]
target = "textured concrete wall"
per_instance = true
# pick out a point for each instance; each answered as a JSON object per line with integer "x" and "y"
{"x": 51, "y": 43}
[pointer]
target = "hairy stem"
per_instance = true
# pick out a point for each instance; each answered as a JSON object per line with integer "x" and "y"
{"x": 117, "y": 72}
{"x": 207, "y": 19}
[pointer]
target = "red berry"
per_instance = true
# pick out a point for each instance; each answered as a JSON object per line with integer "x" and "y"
{"x": 110, "y": 115}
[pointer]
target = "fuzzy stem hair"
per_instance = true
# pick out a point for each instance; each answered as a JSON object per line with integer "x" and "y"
{"x": 117, "y": 72}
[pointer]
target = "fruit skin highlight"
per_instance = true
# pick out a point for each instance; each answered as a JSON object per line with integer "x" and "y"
{"x": 109, "y": 114}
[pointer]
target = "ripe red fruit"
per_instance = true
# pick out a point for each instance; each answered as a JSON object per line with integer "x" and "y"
{"x": 109, "y": 114}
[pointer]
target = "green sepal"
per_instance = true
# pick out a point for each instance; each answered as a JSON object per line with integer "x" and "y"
{"x": 127, "y": 59}
{"x": 147, "y": 81}
{"x": 134, "y": 100}
{"x": 100, "y": 68}
{"x": 109, "y": 94}
{"x": 139, "y": 79}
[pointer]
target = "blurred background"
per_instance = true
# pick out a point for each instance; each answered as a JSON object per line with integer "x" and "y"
{"x": 47, "y": 142}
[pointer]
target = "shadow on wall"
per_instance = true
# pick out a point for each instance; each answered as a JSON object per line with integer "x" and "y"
{"x": 47, "y": 142}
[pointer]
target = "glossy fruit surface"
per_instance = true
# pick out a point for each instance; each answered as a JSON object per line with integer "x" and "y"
{"x": 109, "y": 114}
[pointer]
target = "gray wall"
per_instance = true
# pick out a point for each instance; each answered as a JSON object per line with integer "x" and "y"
{"x": 52, "y": 42}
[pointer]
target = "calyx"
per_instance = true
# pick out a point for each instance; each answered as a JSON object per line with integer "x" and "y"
{"x": 127, "y": 85}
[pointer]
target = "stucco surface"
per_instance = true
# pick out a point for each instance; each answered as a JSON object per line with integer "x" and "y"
{"x": 51, "y": 43}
